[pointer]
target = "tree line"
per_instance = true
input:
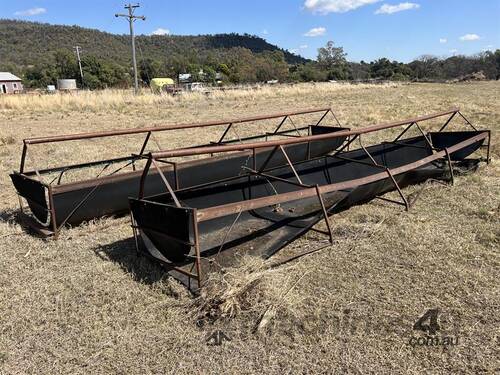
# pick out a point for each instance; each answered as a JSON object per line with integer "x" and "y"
{"x": 332, "y": 64}
{"x": 239, "y": 65}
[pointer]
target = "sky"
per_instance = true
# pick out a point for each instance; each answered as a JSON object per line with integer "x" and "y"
{"x": 366, "y": 29}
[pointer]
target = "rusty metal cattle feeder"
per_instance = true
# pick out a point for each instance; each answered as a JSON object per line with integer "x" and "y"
{"x": 53, "y": 204}
{"x": 196, "y": 230}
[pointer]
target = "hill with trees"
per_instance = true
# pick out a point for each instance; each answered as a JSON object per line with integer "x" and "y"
{"x": 28, "y": 43}
{"x": 42, "y": 53}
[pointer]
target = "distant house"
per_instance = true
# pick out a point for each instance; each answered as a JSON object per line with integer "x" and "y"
{"x": 10, "y": 84}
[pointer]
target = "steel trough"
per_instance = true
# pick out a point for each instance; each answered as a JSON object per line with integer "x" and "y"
{"x": 54, "y": 204}
{"x": 195, "y": 231}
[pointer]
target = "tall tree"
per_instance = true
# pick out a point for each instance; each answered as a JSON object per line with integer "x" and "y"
{"x": 333, "y": 59}
{"x": 65, "y": 64}
{"x": 331, "y": 56}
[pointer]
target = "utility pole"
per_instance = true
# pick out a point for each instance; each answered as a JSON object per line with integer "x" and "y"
{"x": 77, "y": 49}
{"x": 131, "y": 19}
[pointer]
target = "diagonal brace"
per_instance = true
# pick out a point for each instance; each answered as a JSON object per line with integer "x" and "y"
{"x": 165, "y": 181}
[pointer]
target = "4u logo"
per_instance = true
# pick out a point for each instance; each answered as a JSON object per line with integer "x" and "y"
{"x": 428, "y": 323}
{"x": 432, "y": 326}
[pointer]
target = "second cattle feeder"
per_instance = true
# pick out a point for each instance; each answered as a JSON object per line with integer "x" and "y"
{"x": 53, "y": 202}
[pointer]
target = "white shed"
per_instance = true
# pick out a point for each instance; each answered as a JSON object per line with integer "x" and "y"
{"x": 10, "y": 84}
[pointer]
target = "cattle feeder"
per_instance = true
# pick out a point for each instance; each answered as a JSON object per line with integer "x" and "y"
{"x": 198, "y": 230}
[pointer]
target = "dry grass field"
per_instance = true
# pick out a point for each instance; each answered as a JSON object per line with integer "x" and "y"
{"x": 87, "y": 304}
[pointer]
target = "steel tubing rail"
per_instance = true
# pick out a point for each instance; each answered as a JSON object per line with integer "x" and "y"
{"x": 282, "y": 142}
{"x": 233, "y": 208}
{"x": 111, "y": 133}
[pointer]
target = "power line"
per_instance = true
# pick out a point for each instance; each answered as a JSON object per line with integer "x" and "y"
{"x": 144, "y": 62}
{"x": 78, "y": 49}
{"x": 131, "y": 19}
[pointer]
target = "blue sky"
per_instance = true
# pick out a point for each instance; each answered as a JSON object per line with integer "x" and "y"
{"x": 367, "y": 29}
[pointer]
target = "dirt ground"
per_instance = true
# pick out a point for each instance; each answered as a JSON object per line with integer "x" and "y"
{"x": 87, "y": 304}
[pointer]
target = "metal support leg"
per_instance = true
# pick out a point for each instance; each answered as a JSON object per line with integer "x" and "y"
{"x": 294, "y": 126}
{"x": 23, "y": 157}
{"x": 55, "y": 229}
{"x": 366, "y": 152}
{"x": 322, "y": 117}
{"x": 406, "y": 204}
{"x": 325, "y": 214}
{"x": 225, "y": 133}
{"x": 280, "y": 125}
{"x": 165, "y": 181}
{"x": 403, "y": 132}
{"x": 346, "y": 145}
{"x": 291, "y": 165}
{"x": 424, "y": 135}
{"x": 145, "y": 143}
{"x": 197, "y": 248}
{"x": 488, "y": 149}
{"x": 134, "y": 231}
{"x": 467, "y": 121}
{"x": 452, "y": 177}
{"x": 447, "y": 122}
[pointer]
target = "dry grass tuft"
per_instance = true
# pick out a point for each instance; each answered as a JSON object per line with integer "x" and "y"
{"x": 9, "y": 140}
{"x": 249, "y": 289}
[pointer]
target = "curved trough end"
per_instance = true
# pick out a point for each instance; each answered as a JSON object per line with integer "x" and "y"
{"x": 37, "y": 196}
{"x": 165, "y": 227}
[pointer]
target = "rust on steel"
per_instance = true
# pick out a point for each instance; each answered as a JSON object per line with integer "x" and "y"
{"x": 111, "y": 133}
{"x": 282, "y": 142}
{"x": 232, "y": 208}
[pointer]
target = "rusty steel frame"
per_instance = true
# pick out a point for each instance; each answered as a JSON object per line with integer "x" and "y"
{"x": 200, "y": 215}
{"x": 98, "y": 180}
{"x": 308, "y": 191}
{"x": 150, "y": 130}
{"x": 283, "y": 142}
{"x": 352, "y": 134}
{"x": 355, "y": 133}
{"x": 253, "y": 146}
{"x": 165, "y": 181}
{"x": 228, "y": 209}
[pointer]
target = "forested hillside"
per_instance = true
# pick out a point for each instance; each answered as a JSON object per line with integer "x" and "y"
{"x": 28, "y": 43}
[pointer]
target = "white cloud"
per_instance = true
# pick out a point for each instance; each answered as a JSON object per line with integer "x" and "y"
{"x": 30, "y": 12}
{"x": 453, "y": 51}
{"x": 335, "y": 6}
{"x": 264, "y": 32}
{"x": 316, "y": 31}
{"x": 469, "y": 37}
{"x": 297, "y": 50}
{"x": 161, "y": 31}
{"x": 390, "y": 9}
{"x": 443, "y": 40}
